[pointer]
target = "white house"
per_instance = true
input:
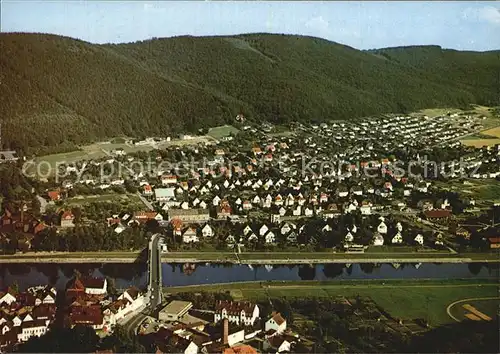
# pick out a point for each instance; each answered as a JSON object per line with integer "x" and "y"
{"x": 244, "y": 313}
{"x": 263, "y": 230}
{"x": 382, "y": 228}
{"x": 252, "y": 237}
{"x": 16, "y": 321}
{"x": 134, "y": 296}
{"x": 397, "y": 239}
{"x": 30, "y": 329}
{"x": 190, "y": 236}
{"x": 278, "y": 343}
{"x": 276, "y": 323}
{"x": 216, "y": 200}
{"x": 7, "y": 298}
{"x": 378, "y": 239}
{"x": 365, "y": 209}
{"x": 286, "y": 228}
{"x": 95, "y": 286}
{"x": 128, "y": 302}
{"x": 207, "y": 231}
{"x": 247, "y": 230}
{"x": 164, "y": 194}
{"x": 270, "y": 237}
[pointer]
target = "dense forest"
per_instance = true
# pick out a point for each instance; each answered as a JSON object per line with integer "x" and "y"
{"x": 60, "y": 92}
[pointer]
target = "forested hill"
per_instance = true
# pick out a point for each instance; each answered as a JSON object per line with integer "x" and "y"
{"x": 55, "y": 90}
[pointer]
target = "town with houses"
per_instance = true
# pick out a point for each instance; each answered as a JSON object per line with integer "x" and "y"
{"x": 332, "y": 187}
{"x": 229, "y": 327}
{"x": 349, "y": 186}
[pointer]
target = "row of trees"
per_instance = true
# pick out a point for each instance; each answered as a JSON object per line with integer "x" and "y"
{"x": 94, "y": 237}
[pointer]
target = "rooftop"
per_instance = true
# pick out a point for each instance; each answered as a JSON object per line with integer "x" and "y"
{"x": 177, "y": 307}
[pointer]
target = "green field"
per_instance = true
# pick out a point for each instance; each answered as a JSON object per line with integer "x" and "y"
{"x": 404, "y": 299}
{"x": 46, "y": 165}
{"x": 222, "y": 131}
{"x": 480, "y": 190}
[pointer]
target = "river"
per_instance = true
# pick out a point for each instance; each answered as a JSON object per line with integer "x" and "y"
{"x": 125, "y": 275}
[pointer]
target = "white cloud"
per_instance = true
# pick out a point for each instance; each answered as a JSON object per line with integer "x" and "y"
{"x": 489, "y": 14}
{"x": 318, "y": 24}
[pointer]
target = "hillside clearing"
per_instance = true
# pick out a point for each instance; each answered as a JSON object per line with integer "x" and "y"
{"x": 222, "y": 131}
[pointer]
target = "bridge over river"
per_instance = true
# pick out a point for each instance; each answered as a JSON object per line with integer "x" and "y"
{"x": 154, "y": 290}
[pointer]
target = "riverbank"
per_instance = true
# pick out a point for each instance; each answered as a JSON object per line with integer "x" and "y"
{"x": 254, "y": 257}
{"x": 407, "y": 299}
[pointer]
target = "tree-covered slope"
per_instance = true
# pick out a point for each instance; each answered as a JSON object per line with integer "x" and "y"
{"x": 57, "y": 91}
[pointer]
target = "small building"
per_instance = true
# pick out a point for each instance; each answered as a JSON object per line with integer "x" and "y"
{"x": 67, "y": 219}
{"x": 494, "y": 242}
{"x": 378, "y": 239}
{"x": 276, "y": 323}
{"x": 95, "y": 286}
{"x": 437, "y": 214}
{"x": 241, "y": 313}
{"x": 164, "y": 194}
{"x": 189, "y": 215}
{"x": 175, "y": 310}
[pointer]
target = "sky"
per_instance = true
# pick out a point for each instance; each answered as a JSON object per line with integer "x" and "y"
{"x": 459, "y": 25}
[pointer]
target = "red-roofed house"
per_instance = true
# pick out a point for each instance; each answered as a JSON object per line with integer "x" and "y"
{"x": 147, "y": 190}
{"x": 54, "y": 195}
{"x": 276, "y": 323}
{"x": 67, "y": 219}
{"x": 437, "y": 214}
{"x": 241, "y": 313}
{"x": 168, "y": 179}
{"x": 87, "y": 315}
{"x": 494, "y": 242}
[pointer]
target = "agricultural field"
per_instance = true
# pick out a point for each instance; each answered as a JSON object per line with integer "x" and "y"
{"x": 493, "y": 132}
{"x": 45, "y": 166}
{"x": 483, "y": 191}
{"x": 435, "y": 112}
{"x": 479, "y": 143}
{"x": 222, "y": 131}
{"x": 490, "y": 136}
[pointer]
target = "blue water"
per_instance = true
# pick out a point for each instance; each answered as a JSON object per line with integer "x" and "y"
{"x": 126, "y": 275}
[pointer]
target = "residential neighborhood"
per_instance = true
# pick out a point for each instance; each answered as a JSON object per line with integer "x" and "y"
{"x": 86, "y": 302}
{"x": 333, "y": 186}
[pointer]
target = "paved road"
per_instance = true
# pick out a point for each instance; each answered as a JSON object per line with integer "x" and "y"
{"x": 154, "y": 285}
{"x": 145, "y": 201}
{"x": 154, "y": 263}
{"x": 132, "y": 324}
